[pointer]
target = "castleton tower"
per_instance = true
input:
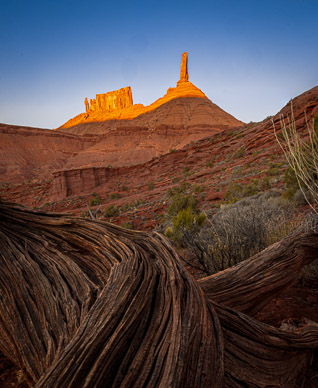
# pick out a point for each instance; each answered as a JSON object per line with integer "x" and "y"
{"x": 119, "y": 103}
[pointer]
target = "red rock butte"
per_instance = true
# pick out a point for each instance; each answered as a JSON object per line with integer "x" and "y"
{"x": 119, "y": 103}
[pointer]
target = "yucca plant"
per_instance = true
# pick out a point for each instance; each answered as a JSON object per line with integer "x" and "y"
{"x": 302, "y": 154}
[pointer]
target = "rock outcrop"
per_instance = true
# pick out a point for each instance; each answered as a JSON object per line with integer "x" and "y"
{"x": 118, "y": 105}
{"x": 111, "y": 101}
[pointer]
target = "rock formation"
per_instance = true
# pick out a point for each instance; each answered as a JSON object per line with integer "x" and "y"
{"x": 184, "y": 74}
{"x": 86, "y": 105}
{"x": 111, "y": 101}
{"x": 119, "y": 103}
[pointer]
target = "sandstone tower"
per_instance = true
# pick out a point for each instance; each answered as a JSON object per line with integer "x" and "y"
{"x": 184, "y": 74}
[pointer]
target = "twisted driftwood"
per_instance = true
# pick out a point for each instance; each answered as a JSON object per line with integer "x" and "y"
{"x": 88, "y": 304}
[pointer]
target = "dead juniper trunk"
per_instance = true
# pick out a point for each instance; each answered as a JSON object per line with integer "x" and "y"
{"x": 88, "y": 304}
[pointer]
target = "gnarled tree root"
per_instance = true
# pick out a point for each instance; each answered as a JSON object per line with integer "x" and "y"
{"x": 88, "y": 304}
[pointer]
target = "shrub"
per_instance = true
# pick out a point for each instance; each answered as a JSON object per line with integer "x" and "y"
{"x": 184, "y": 216}
{"x": 239, "y": 231}
{"x": 252, "y": 188}
{"x": 115, "y": 196}
{"x": 185, "y": 221}
{"x": 186, "y": 171}
{"x": 132, "y": 205}
{"x": 272, "y": 171}
{"x": 240, "y": 152}
{"x": 233, "y": 193}
{"x": 151, "y": 186}
{"x": 181, "y": 202}
{"x": 111, "y": 211}
{"x": 266, "y": 183}
{"x": 94, "y": 201}
{"x": 210, "y": 164}
{"x": 197, "y": 188}
{"x": 291, "y": 183}
{"x": 127, "y": 225}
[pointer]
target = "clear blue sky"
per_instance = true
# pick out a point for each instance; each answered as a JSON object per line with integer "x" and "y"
{"x": 248, "y": 56}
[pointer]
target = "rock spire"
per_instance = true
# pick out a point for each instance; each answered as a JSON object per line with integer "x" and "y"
{"x": 184, "y": 74}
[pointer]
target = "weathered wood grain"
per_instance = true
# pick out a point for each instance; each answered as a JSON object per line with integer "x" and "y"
{"x": 88, "y": 304}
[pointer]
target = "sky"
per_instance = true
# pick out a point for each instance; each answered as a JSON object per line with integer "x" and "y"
{"x": 250, "y": 57}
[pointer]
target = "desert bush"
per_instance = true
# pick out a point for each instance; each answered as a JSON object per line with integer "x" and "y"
{"x": 151, "y": 186}
{"x": 239, "y": 231}
{"x": 291, "y": 183}
{"x": 266, "y": 183}
{"x": 181, "y": 202}
{"x": 127, "y": 225}
{"x": 187, "y": 220}
{"x": 197, "y": 188}
{"x": 95, "y": 200}
{"x": 132, "y": 205}
{"x": 115, "y": 196}
{"x": 183, "y": 216}
{"x": 236, "y": 191}
{"x": 240, "y": 152}
{"x": 111, "y": 211}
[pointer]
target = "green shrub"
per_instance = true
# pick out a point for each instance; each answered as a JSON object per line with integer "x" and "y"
{"x": 181, "y": 202}
{"x": 234, "y": 192}
{"x": 252, "y": 188}
{"x": 132, "y": 205}
{"x": 240, "y": 152}
{"x": 111, "y": 211}
{"x": 183, "y": 187}
{"x": 197, "y": 188}
{"x": 185, "y": 221}
{"x": 115, "y": 196}
{"x": 186, "y": 170}
{"x": 124, "y": 188}
{"x": 151, "y": 186}
{"x": 210, "y": 164}
{"x": 266, "y": 184}
{"x": 127, "y": 225}
{"x": 94, "y": 201}
{"x": 291, "y": 183}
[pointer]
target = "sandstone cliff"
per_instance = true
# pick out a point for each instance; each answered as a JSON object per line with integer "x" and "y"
{"x": 110, "y": 102}
{"x": 119, "y": 104}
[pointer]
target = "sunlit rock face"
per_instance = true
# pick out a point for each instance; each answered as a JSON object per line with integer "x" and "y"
{"x": 184, "y": 74}
{"x": 119, "y": 103}
{"x": 111, "y": 101}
